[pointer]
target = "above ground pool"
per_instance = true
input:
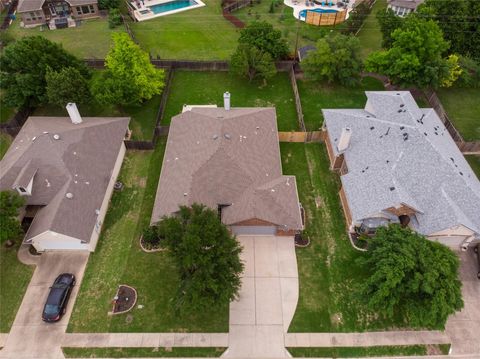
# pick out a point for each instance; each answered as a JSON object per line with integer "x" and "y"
{"x": 173, "y": 5}
{"x": 303, "y": 13}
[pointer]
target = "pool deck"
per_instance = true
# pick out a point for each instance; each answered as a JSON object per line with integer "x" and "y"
{"x": 299, "y": 5}
{"x": 143, "y": 5}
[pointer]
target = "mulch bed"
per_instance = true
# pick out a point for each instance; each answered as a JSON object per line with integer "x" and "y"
{"x": 124, "y": 300}
{"x": 149, "y": 247}
{"x": 301, "y": 240}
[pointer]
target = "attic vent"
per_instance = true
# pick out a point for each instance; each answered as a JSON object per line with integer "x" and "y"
{"x": 392, "y": 188}
{"x": 398, "y": 93}
{"x": 401, "y": 105}
{"x": 399, "y": 111}
{"x": 69, "y": 195}
{"x": 34, "y": 138}
{"x": 215, "y": 137}
{"x": 371, "y": 128}
{"x": 227, "y": 136}
{"x": 56, "y": 137}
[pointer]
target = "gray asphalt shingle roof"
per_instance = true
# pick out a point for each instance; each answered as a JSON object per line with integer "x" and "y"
{"x": 401, "y": 154}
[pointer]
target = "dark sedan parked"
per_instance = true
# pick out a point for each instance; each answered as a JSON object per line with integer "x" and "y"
{"x": 58, "y": 297}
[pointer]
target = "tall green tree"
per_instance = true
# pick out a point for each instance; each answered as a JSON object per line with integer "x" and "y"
{"x": 460, "y": 23}
{"x": 10, "y": 228}
{"x": 412, "y": 277}
{"x": 248, "y": 61}
{"x": 23, "y": 67}
{"x": 336, "y": 58}
{"x": 66, "y": 85}
{"x": 417, "y": 56}
{"x": 207, "y": 257}
{"x": 388, "y": 22}
{"x": 264, "y": 37}
{"x": 129, "y": 77}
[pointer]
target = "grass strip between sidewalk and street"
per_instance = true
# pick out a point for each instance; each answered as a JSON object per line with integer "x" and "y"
{"x": 142, "y": 352}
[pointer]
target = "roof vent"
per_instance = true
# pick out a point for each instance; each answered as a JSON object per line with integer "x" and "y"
{"x": 344, "y": 141}
{"x": 226, "y": 101}
{"x": 73, "y": 113}
{"x": 56, "y": 137}
{"x": 215, "y": 137}
{"x": 185, "y": 194}
{"x": 69, "y": 195}
{"x": 227, "y": 136}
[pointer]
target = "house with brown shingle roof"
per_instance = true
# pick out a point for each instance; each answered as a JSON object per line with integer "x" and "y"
{"x": 66, "y": 172}
{"x": 229, "y": 160}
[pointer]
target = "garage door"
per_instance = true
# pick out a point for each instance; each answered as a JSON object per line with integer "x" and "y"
{"x": 453, "y": 242}
{"x": 254, "y": 230}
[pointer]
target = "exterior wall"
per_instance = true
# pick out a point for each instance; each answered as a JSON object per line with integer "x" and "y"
{"x": 50, "y": 240}
{"x": 346, "y": 209}
{"x": 335, "y": 162}
{"x": 106, "y": 200}
{"x": 400, "y": 11}
{"x": 33, "y": 18}
{"x": 77, "y": 11}
{"x": 452, "y": 237}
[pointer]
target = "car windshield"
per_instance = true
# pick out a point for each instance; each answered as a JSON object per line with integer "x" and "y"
{"x": 51, "y": 309}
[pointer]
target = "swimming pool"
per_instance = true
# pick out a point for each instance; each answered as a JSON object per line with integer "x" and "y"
{"x": 172, "y": 5}
{"x": 303, "y": 13}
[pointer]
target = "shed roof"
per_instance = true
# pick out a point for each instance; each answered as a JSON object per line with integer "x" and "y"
{"x": 33, "y": 5}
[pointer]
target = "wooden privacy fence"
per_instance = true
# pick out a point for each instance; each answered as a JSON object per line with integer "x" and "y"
{"x": 325, "y": 18}
{"x": 298, "y": 102}
{"x": 236, "y": 5}
{"x": 469, "y": 148}
{"x": 314, "y": 136}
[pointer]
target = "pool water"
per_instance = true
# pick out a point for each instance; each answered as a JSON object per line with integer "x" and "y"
{"x": 173, "y": 5}
{"x": 303, "y": 13}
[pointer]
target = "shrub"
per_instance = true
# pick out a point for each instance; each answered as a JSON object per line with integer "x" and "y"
{"x": 114, "y": 18}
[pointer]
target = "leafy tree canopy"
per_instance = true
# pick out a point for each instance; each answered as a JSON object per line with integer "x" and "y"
{"x": 335, "y": 59}
{"x": 207, "y": 258}
{"x": 66, "y": 85}
{"x": 388, "y": 22}
{"x": 10, "y": 228}
{"x": 411, "y": 276}
{"x": 251, "y": 62}
{"x": 129, "y": 78}
{"x": 24, "y": 65}
{"x": 108, "y": 4}
{"x": 263, "y": 36}
{"x": 416, "y": 56}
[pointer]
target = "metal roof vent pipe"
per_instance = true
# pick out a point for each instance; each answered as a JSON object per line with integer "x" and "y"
{"x": 226, "y": 101}
{"x": 73, "y": 113}
{"x": 344, "y": 141}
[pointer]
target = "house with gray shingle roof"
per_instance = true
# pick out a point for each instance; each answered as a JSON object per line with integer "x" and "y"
{"x": 229, "y": 160}
{"x": 399, "y": 164}
{"x": 66, "y": 172}
{"x": 403, "y": 7}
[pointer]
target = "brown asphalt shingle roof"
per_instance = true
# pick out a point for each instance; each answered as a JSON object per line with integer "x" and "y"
{"x": 81, "y": 162}
{"x": 33, "y": 5}
{"x": 214, "y": 156}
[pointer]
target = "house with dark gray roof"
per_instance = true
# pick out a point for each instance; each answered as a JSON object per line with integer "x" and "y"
{"x": 229, "y": 160}
{"x": 66, "y": 172}
{"x": 399, "y": 164}
{"x": 56, "y": 13}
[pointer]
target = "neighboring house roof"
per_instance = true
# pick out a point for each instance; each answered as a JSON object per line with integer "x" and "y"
{"x": 227, "y": 157}
{"x": 401, "y": 154}
{"x": 33, "y": 5}
{"x": 80, "y": 162}
{"x": 408, "y": 4}
{"x": 303, "y": 51}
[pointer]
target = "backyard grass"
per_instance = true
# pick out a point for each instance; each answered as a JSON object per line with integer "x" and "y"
{"x": 14, "y": 279}
{"x": 463, "y": 108}
{"x": 197, "y": 34}
{"x": 5, "y": 141}
{"x": 474, "y": 162}
{"x": 118, "y": 259}
{"x": 203, "y": 88}
{"x": 328, "y": 272}
{"x": 356, "y": 352}
{"x": 370, "y": 35}
{"x": 92, "y": 39}
{"x": 142, "y": 352}
{"x": 316, "y": 96}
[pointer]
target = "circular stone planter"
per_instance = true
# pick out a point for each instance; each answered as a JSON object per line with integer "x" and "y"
{"x": 301, "y": 240}
{"x": 118, "y": 186}
{"x": 147, "y": 250}
{"x": 124, "y": 300}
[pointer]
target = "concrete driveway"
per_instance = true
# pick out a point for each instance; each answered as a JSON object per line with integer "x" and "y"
{"x": 29, "y": 336}
{"x": 268, "y": 298}
{"x": 464, "y": 327}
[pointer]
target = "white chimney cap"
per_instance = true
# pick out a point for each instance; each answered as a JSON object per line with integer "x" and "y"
{"x": 73, "y": 113}
{"x": 226, "y": 101}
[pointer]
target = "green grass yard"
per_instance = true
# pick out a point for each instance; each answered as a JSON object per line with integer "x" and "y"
{"x": 198, "y": 34}
{"x": 316, "y": 96}
{"x": 328, "y": 272}
{"x": 92, "y": 39}
{"x": 474, "y": 162}
{"x": 142, "y": 352}
{"x": 118, "y": 259}
{"x": 14, "y": 279}
{"x": 203, "y": 88}
{"x": 463, "y": 109}
{"x": 370, "y": 35}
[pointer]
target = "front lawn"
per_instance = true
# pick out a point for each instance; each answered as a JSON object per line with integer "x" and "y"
{"x": 92, "y": 39}
{"x": 316, "y": 96}
{"x": 463, "y": 109}
{"x": 197, "y": 34}
{"x": 14, "y": 279}
{"x": 204, "y": 88}
{"x": 142, "y": 352}
{"x": 328, "y": 271}
{"x": 474, "y": 161}
{"x": 370, "y": 35}
{"x": 118, "y": 259}
{"x": 5, "y": 141}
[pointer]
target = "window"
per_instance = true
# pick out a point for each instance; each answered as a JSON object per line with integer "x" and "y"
{"x": 85, "y": 10}
{"x": 32, "y": 16}
{"x": 92, "y": 9}
{"x": 79, "y": 10}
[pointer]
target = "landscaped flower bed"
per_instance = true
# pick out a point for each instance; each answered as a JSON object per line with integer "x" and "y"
{"x": 124, "y": 300}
